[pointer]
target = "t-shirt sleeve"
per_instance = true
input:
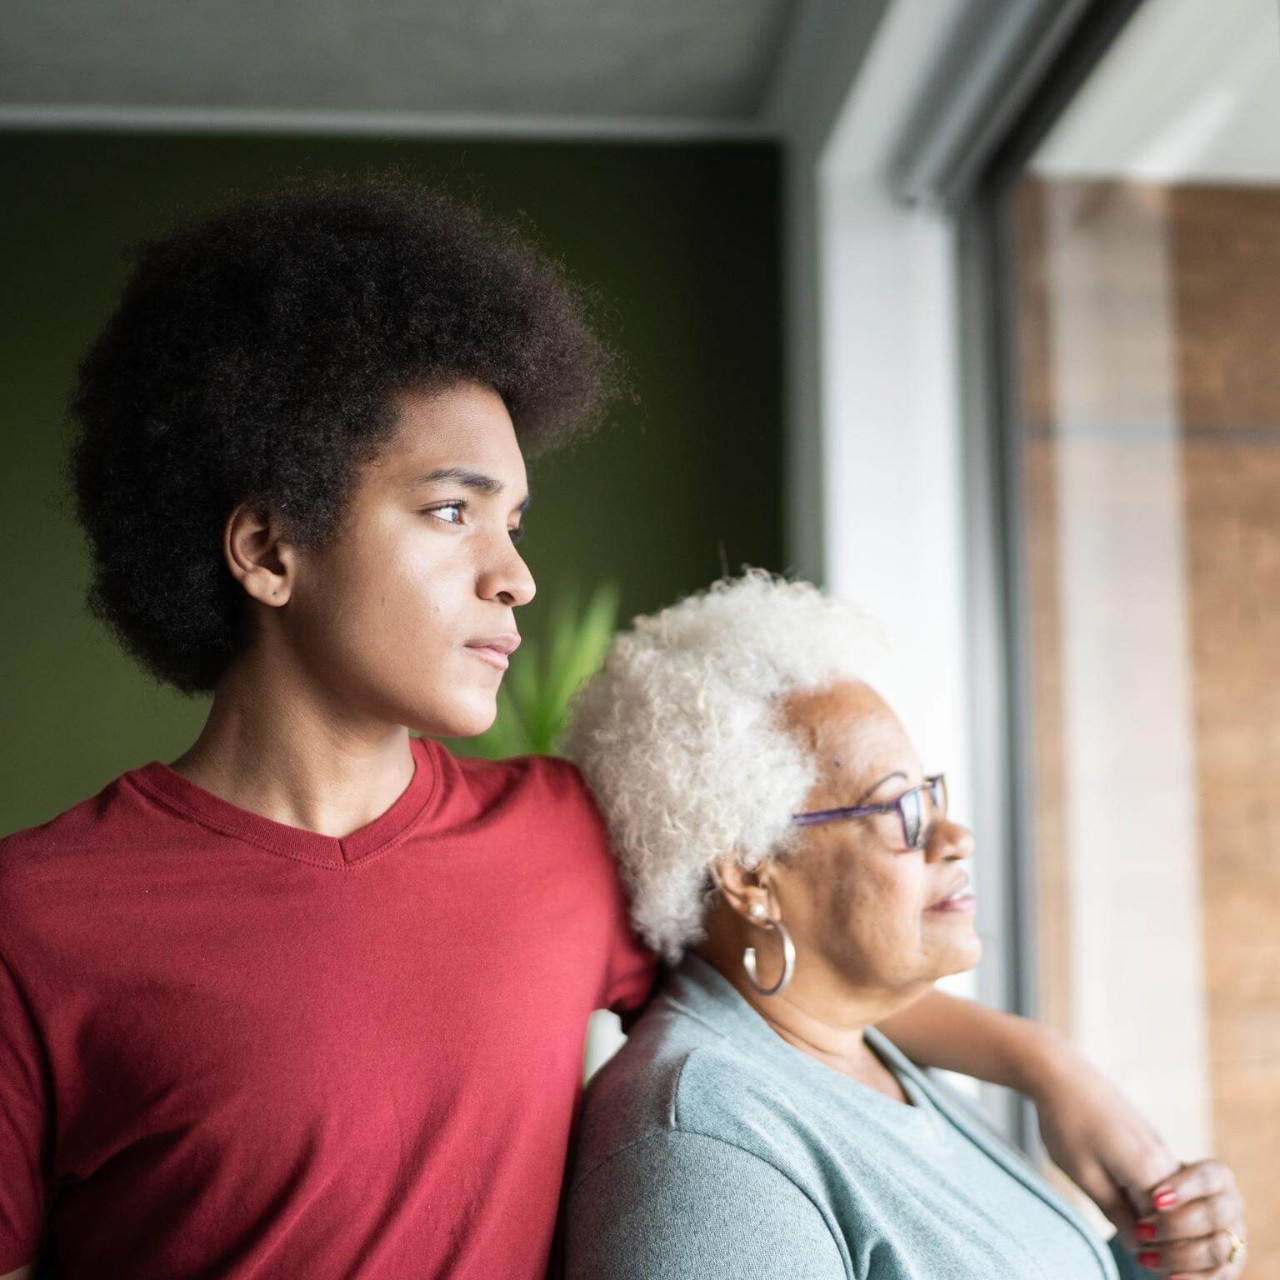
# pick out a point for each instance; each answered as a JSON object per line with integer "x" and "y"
{"x": 631, "y": 970}
{"x": 25, "y": 1126}
{"x": 633, "y": 973}
{"x": 682, "y": 1206}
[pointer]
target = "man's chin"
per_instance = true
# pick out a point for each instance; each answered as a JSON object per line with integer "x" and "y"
{"x": 465, "y": 721}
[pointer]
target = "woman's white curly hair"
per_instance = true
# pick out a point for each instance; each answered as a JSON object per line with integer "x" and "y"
{"x": 679, "y": 736}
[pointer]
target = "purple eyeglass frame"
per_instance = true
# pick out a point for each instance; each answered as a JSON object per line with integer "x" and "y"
{"x": 935, "y": 784}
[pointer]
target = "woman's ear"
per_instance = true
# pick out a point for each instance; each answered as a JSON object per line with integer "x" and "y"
{"x": 741, "y": 888}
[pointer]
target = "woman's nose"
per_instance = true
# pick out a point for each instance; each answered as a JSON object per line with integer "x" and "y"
{"x": 952, "y": 841}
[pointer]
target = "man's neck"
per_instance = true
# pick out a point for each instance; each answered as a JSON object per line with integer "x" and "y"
{"x": 276, "y": 751}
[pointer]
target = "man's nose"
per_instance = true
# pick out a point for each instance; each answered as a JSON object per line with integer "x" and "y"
{"x": 508, "y": 580}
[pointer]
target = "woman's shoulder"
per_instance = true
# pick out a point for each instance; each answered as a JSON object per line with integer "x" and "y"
{"x": 679, "y": 1146}
{"x": 677, "y": 1075}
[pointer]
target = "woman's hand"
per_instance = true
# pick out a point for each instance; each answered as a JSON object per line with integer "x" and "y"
{"x": 1196, "y": 1225}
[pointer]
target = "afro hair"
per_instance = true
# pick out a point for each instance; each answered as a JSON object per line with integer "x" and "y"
{"x": 256, "y": 356}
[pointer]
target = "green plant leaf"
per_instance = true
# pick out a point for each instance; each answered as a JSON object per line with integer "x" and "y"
{"x": 534, "y": 697}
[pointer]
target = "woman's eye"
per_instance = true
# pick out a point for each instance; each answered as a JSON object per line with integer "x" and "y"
{"x": 517, "y": 533}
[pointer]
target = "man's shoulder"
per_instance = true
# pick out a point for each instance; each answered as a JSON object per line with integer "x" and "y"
{"x": 537, "y": 786}
{"x": 43, "y": 867}
{"x": 65, "y": 833}
{"x": 552, "y": 772}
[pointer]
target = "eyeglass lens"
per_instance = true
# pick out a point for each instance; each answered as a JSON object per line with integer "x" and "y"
{"x": 911, "y": 807}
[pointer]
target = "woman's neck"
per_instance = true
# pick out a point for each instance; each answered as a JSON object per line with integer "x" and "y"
{"x": 825, "y": 1020}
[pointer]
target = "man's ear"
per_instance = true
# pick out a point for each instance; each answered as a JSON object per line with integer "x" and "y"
{"x": 256, "y": 554}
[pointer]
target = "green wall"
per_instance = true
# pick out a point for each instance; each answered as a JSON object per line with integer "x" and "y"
{"x": 682, "y": 243}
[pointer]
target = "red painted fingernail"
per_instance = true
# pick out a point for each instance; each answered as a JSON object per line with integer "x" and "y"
{"x": 1147, "y": 1231}
{"x": 1166, "y": 1200}
{"x": 1149, "y": 1260}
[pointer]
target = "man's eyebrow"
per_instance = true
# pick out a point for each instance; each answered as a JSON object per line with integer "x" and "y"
{"x": 870, "y": 791}
{"x": 476, "y": 481}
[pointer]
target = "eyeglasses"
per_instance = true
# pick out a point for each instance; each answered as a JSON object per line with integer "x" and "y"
{"x": 910, "y": 807}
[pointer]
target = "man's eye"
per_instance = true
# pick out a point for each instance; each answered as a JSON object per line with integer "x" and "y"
{"x": 517, "y": 533}
{"x": 450, "y": 513}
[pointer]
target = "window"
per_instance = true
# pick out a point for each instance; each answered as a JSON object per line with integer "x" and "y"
{"x": 1138, "y": 249}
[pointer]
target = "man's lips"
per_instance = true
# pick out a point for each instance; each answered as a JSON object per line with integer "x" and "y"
{"x": 495, "y": 649}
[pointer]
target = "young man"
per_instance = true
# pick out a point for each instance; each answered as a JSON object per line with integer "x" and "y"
{"x": 311, "y": 1000}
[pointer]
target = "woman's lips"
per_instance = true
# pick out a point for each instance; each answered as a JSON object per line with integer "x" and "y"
{"x": 964, "y": 902}
{"x": 957, "y": 899}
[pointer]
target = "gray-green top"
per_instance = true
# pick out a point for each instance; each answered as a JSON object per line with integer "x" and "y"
{"x": 712, "y": 1149}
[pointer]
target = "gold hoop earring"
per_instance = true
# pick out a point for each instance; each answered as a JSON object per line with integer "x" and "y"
{"x": 760, "y": 916}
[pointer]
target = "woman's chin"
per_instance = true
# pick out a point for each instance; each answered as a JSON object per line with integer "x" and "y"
{"x": 959, "y": 956}
{"x": 968, "y": 956}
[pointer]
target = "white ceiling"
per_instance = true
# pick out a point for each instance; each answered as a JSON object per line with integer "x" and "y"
{"x": 1190, "y": 92}
{"x": 704, "y": 63}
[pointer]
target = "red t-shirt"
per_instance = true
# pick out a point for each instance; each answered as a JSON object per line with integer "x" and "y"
{"x": 231, "y": 1047}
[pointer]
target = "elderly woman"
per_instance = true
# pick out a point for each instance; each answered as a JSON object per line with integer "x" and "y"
{"x": 801, "y": 873}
